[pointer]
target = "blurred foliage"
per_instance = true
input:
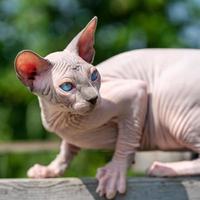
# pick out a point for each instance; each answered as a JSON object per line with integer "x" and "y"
{"x": 48, "y": 25}
{"x": 20, "y": 163}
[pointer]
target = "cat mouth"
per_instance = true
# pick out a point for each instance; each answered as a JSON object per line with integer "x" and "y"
{"x": 83, "y": 108}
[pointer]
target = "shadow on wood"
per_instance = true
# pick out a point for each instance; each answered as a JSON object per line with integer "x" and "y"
{"x": 186, "y": 188}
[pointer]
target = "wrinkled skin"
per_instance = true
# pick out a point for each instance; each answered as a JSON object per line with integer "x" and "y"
{"x": 138, "y": 100}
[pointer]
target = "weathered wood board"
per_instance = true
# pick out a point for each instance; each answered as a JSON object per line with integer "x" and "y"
{"x": 186, "y": 188}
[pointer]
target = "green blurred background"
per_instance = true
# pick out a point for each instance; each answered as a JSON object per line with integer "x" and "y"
{"x": 48, "y": 25}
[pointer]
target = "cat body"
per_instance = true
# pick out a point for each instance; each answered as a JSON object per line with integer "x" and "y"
{"x": 84, "y": 132}
{"x": 137, "y": 100}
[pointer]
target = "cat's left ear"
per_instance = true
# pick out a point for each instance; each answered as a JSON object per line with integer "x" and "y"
{"x": 28, "y": 65}
{"x": 83, "y": 43}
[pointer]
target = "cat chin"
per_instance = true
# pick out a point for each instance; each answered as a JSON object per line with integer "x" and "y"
{"x": 82, "y": 109}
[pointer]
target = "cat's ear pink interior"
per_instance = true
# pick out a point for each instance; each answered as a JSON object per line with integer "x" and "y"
{"x": 28, "y": 65}
{"x": 85, "y": 43}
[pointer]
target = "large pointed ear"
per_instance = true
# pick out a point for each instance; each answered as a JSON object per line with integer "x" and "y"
{"x": 83, "y": 43}
{"x": 28, "y": 65}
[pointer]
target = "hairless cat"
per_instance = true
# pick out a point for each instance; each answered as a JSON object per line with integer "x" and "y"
{"x": 148, "y": 100}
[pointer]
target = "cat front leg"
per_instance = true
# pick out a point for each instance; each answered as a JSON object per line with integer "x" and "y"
{"x": 112, "y": 177}
{"x": 58, "y": 166}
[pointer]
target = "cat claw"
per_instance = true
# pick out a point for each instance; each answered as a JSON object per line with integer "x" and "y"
{"x": 161, "y": 170}
{"x": 41, "y": 171}
{"x": 112, "y": 179}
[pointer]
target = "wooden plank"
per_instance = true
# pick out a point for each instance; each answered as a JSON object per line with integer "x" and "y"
{"x": 26, "y": 146}
{"x": 36, "y": 146}
{"x": 187, "y": 188}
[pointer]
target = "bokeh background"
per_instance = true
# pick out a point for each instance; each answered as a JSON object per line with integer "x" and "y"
{"x": 48, "y": 25}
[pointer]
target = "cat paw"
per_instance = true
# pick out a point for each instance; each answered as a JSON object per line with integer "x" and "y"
{"x": 41, "y": 171}
{"x": 161, "y": 170}
{"x": 112, "y": 179}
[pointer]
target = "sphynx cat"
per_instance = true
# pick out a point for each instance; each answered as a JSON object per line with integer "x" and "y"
{"x": 148, "y": 100}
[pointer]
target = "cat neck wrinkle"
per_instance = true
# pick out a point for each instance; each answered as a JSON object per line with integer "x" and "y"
{"x": 57, "y": 119}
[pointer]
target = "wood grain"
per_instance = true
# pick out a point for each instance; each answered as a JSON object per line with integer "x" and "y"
{"x": 187, "y": 188}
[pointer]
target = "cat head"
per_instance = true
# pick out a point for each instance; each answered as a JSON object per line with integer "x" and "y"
{"x": 67, "y": 78}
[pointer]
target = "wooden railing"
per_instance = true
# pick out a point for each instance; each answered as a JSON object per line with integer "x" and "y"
{"x": 26, "y": 146}
{"x": 84, "y": 189}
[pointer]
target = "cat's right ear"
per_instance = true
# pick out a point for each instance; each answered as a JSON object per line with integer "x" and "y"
{"x": 28, "y": 65}
{"x": 83, "y": 43}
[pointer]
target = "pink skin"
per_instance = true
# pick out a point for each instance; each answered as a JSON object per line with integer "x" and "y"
{"x": 148, "y": 100}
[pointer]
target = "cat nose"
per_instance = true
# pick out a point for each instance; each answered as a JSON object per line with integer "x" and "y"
{"x": 93, "y": 100}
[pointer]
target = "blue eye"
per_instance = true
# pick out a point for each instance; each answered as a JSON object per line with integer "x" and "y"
{"x": 94, "y": 75}
{"x": 66, "y": 86}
